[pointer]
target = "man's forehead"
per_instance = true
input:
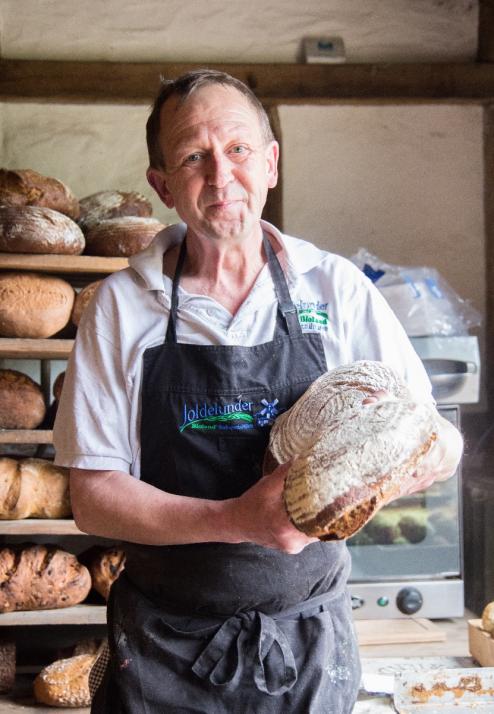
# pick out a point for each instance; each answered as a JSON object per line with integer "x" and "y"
{"x": 211, "y": 107}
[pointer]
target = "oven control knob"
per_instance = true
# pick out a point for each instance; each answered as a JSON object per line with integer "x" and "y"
{"x": 409, "y": 600}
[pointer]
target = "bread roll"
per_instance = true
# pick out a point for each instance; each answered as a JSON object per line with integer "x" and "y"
{"x": 58, "y": 385}
{"x": 33, "y": 305}
{"x": 22, "y": 405}
{"x": 24, "y": 187}
{"x": 41, "y": 577}
{"x": 29, "y": 229}
{"x": 112, "y": 204}
{"x": 349, "y": 460}
{"x": 7, "y": 666}
{"x": 33, "y": 488}
{"x": 105, "y": 565}
{"x": 121, "y": 237}
{"x": 83, "y": 299}
{"x": 488, "y": 618}
{"x": 65, "y": 683}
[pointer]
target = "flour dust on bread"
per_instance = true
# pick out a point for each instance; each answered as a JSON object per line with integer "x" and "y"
{"x": 349, "y": 459}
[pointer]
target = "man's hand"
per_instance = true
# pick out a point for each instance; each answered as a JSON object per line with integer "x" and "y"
{"x": 259, "y": 515}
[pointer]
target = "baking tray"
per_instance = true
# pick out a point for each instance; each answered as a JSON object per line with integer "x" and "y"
{"x": 449, "y": 690}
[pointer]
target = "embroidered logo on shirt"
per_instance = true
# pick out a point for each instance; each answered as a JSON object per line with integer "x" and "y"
{"x": 236, "y": 415}
{"x": 313, "y": 315}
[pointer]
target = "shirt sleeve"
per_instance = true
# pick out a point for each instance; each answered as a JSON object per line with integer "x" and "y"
{"x": 374, "y": 332}
{"x": 91, "y": 429}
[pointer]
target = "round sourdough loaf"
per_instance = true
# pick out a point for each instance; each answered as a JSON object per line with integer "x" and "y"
{"x": 29, "y": 229}
{"x": 22, "y": 405}
{"x": 33, "y": 304}
{"x": 121, "y": 237}
{"x": 33, "y": 488}
{"x": 41, "y": 577}
{"x": 112, "y": 204}
{"x": 24, "y": 187}
{"x": 65, "y": 683}
{"x": 349, "y": 459}
{"x": 82, "y": 300}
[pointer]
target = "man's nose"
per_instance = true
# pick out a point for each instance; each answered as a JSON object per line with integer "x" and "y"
{"x": 219, "y": 170}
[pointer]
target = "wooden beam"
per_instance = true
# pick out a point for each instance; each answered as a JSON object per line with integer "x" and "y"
{"x": 486, "y": 31}
{"x": 131, "y": 82}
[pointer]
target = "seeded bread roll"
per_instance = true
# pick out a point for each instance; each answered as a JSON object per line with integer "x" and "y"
{"x": 349, "y": 459}
{"x": 65, "y": 683}
{"x": 105, "y": 565}
{"x": 22, "y": 405}
{"x": 29, "y": 229}
{"x": 33, "y": 488}
{"x": 82, "y": 300}
{"x": 121, "y": 237}
{"x": 24, "y": 187}
{"x": 41, "y": 577}
{"x": 103, "y": 205}
{"x": 34, "y": 305}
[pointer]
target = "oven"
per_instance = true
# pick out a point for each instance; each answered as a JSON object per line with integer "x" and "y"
{"x": 408, "y": 560}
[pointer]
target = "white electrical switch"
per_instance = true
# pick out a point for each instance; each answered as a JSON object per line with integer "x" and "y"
{"x": 324, "y": 49}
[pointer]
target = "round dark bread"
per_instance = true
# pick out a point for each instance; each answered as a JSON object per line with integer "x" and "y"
{"x": 82, "y": 300}
{"x": 24, "y": 187}
{"x": 121, "y": 237}
{"x": 22, "y": 405}
{"x": 31, "y": 229}
{"x": 103, "y": 205}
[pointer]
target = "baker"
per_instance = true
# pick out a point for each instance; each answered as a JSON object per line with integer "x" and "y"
{"x": 180, "y": 366}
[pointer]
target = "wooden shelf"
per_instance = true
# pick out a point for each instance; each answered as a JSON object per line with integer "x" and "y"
{"x": 26, "y": 436}
{"x": 40, "y": 526}
{"x": 77, "y": 615}
{"x": 20, "y": 348}
{"x": 79, "y": 264}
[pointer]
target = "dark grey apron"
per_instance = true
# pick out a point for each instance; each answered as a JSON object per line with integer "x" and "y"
{"x": 213, "y": 627}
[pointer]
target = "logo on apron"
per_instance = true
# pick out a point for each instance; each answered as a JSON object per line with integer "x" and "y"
{"x": 313, "y": 315}
{"x": 236, "y": 415}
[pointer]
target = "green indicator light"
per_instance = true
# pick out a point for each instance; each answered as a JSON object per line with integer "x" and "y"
{"x": 383, "y": 601}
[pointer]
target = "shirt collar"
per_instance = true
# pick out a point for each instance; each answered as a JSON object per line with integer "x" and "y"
{"x": 297, "y": 256}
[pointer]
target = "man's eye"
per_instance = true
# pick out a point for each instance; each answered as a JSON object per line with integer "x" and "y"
{"x": 193, "y": 158}
{"x": 238, "y": 149}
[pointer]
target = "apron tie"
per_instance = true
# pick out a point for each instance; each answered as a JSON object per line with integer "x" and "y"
{"x": 251, "y": 635}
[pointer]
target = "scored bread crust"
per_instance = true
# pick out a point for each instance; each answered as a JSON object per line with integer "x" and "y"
{"x": 122, "y": 237}
{"x": 102, "y": 205}
{"x": 65, "y": 682}
{"x": 25, "y": 187}
{"x": 39, "y": 230}
{"x": 22, "y": 404}
{"x": 33, "y": 488}
{"x": 349, "y": 459}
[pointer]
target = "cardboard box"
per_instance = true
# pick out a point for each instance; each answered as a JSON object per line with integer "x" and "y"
{"x": 480, "y": 643}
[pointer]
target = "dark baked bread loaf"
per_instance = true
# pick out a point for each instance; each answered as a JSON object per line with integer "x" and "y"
{"x": 22, "y": 405}
{"x": 82, "y": 300}
{"x": 33, "y": 488}
{"x": 121, "y": 237}
{"x": 24, "y": 187}
{"x": 33, "y": 304}
{"x": 65, "y": 683}
{"x": 41, "y": 577}
{"x": 349, "y": 459}
{"x": 105, "y": 565}
{"x": 7, "y": 665}
{"x": 112, "y": 204}
{"x": 58, "y": 385}
{"x": 29, "y": 229}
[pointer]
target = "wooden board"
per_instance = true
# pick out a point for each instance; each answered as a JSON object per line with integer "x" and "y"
{"x": 77, "y": 615}
{"x": 24, "y": 348}
{"x": 40, "y": 526}
{"x": 480, "y": 643}
{"x": 86, "y": 264}
{"x": 26, "y": 436}
{"x": 383, "y": 632}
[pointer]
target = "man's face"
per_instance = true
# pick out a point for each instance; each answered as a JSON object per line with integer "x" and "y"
{"x": 218, "y": 168}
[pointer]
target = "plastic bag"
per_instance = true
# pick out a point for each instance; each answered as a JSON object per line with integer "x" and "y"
{"x": 421, "y": 299}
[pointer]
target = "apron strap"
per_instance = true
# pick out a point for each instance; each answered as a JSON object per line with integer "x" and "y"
{"x": 248, "y": 638}
{"x": 287, "y": 313}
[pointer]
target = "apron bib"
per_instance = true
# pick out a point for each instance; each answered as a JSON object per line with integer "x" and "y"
{"x": 217, "y": 627}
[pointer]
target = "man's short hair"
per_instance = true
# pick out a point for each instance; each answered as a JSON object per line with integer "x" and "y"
{"x": 183, "y": 87}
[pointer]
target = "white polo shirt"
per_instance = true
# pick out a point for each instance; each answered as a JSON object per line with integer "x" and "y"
{"x": 98, "y": 420}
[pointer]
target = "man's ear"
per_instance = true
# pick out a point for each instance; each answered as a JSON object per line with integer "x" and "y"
{"x": 157, "y": 180}
{"x": 272, "y": 155}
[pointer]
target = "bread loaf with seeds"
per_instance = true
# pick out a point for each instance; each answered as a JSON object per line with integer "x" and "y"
{"x": 349, "y": 459}
{"x": 65, "y": 683}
